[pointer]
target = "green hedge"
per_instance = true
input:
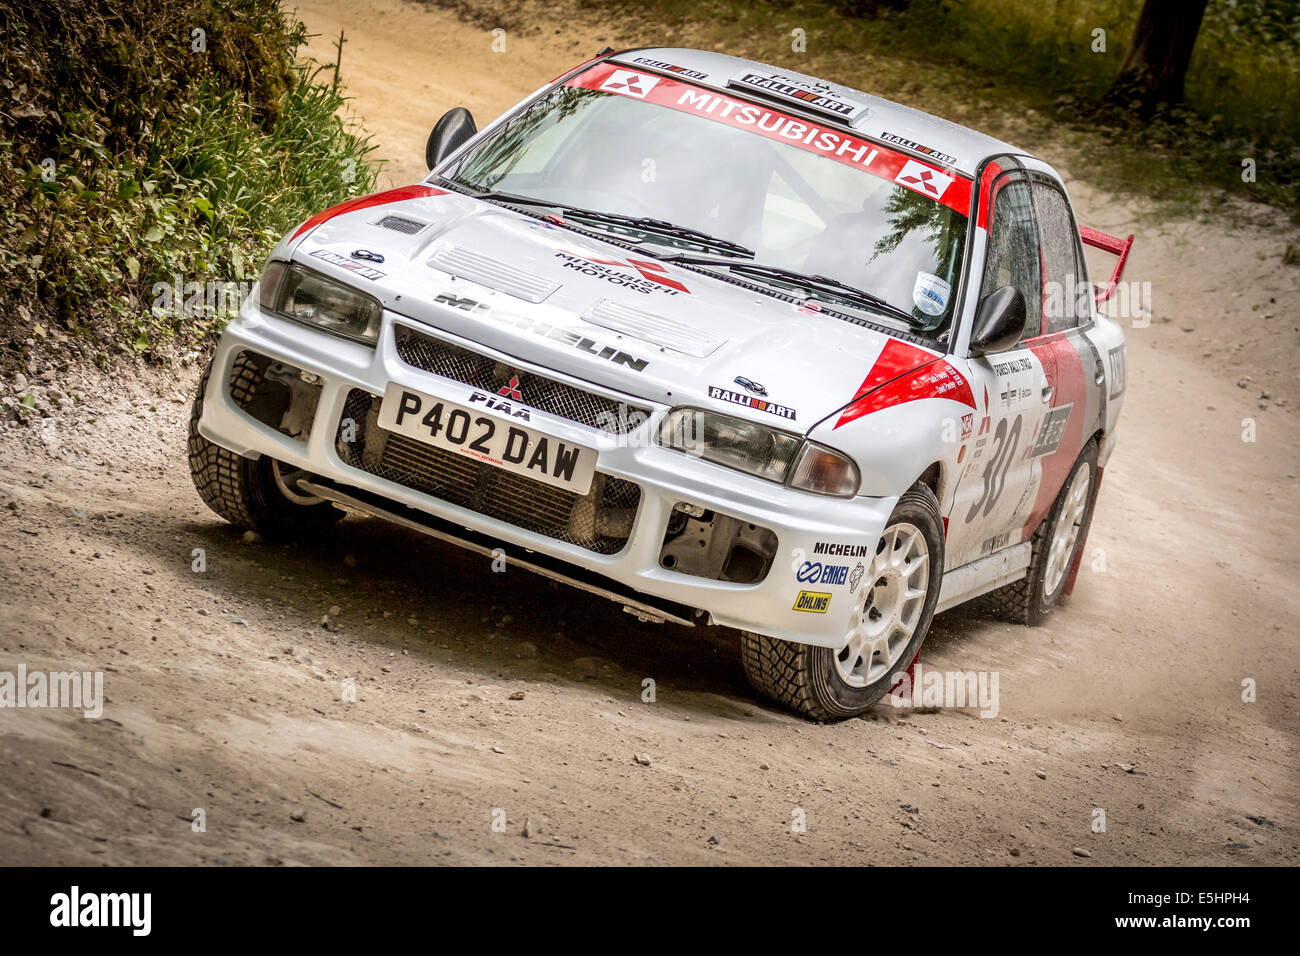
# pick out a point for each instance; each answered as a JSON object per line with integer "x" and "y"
{"x": 137, "y": 148}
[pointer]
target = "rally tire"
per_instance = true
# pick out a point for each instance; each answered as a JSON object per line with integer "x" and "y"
{"x": 245, "y": 491}
{"x": 807, "y": 679}
{"x": 1029, "y": 601}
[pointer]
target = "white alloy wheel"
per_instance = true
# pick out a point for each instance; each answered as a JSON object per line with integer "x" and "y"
{"x": 889, "y": 606}
{"x": 1066, "y": 532}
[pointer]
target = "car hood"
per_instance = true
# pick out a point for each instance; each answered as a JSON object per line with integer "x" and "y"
{"x": 550, "y": 296}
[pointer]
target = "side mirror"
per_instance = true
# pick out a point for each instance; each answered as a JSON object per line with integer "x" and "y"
{"x": 999, "y": 321}
{"x": 455, "y": 127}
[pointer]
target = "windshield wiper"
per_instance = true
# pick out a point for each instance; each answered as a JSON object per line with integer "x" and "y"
{"x": 643, "y": 224}
{"x": 661, "y": 227}
{"x": 492, "y": 195}
{"x": 809, "y": 283}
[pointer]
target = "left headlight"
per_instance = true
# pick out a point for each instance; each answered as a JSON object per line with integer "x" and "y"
{"x": 758, "y": 450}
{"x": 305, "y": 296}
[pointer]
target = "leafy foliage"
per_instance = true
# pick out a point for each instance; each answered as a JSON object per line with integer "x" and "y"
{"x": 135, "y": 150}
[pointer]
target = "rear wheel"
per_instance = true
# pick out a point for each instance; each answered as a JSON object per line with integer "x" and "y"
{"x": 1057, "y": 540}
{"x": 262, "y": 494}
{"x": 891, "y": 615}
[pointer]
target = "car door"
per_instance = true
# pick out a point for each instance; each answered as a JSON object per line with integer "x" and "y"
{"x": 998, "y": 483}
{"x": 1071, "y": 377}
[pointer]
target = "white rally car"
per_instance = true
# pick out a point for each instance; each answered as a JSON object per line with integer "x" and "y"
{"x": 724, "y": 343}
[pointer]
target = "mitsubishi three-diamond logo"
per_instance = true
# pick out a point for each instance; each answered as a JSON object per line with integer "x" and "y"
{"x": 629, "y": 83}
{"x": 511, "y": 390}
{"x": 923, "y": 179}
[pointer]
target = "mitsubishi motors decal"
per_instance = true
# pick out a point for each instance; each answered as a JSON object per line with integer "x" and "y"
{"x": 951, "y": 190}
{"x": 653, "y": 275}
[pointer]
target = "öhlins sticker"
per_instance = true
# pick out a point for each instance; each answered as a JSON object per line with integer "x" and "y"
{"x": 813, "y": 602}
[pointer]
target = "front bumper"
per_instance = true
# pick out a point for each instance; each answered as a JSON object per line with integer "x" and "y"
{"x": 810, "y": 529}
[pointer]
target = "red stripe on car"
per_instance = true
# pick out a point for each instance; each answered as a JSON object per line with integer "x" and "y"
{"x": 418, "y": 191}
{"x": 1064, "y": 371}
{"x": 991, "y": 172}
{"x": 905, "y": 373}
{"x": 945, "y": 186}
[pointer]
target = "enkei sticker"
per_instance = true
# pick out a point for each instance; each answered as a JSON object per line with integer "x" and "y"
{"x": 814, "y": 572}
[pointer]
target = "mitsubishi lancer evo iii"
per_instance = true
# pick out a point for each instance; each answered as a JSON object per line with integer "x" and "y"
{"x": 725, "y": 343}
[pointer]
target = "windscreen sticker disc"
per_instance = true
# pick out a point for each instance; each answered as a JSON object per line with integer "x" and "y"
{"x": 930, "y": 294}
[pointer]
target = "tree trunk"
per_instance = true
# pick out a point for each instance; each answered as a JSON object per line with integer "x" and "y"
{"x": 1155, "y": 65}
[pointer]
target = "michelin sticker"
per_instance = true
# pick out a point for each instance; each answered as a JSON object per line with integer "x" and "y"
{"x": 930, "y": 294}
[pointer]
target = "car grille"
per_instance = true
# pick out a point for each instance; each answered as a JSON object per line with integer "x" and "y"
{"x": 544, "y": 394}
{"x": 599, "y": 521}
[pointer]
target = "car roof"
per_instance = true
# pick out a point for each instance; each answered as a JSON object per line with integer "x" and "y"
{"x": 901, "y": 127}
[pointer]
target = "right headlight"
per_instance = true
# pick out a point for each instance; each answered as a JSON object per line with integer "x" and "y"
{"x": 760, "y": 451}
{"x": 825, "y": 471}
{"x": 306, "y": 296}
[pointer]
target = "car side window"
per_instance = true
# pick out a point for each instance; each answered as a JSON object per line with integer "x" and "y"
{"x": 1061, "y": 260}
{"x": 1013, "y": 255}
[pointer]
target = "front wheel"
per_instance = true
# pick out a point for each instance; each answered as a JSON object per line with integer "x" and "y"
{"x": 891, "y": 614}
{"x": 261, "y": 495}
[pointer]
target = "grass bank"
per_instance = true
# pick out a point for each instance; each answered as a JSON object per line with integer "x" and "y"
{"x": 142, "y": 142}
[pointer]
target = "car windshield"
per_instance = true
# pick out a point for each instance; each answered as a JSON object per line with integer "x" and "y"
{"x": 802, "y": 196}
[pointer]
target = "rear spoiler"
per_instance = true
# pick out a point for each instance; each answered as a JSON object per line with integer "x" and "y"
{"x": 1116, "y": 247}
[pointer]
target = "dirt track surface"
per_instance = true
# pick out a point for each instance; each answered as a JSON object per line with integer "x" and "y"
{"x": 224, "y": 687}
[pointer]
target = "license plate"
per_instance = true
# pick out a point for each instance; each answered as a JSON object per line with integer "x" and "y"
{"x": 485, "y": 438}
